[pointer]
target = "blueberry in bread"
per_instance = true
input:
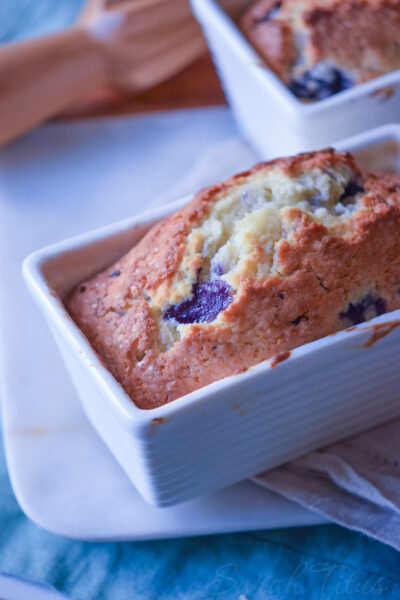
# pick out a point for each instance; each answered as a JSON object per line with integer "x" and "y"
{"x": 283, "y": 254}
{"x": 321, "y": 47}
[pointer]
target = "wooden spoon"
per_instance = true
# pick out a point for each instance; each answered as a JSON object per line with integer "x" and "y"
{"x": 124, "y": 44}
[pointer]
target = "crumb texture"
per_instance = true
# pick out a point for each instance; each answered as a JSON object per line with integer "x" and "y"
{"x": 322, "y": 47}
{"x": 275, "y": 257}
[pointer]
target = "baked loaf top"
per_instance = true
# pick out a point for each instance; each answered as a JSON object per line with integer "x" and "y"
{"x": 321, "y": 47}
{"x": 275, "y": 257}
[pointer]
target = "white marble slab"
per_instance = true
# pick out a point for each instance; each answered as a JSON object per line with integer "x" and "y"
{"x": 57, "y": 182}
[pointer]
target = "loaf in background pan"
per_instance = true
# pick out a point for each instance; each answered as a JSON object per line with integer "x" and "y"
{"x": 321, "y": 47}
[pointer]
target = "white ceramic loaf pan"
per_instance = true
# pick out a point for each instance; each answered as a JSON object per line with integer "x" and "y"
{"x": 272, "y": 119}
{"x": 239, "y": 426}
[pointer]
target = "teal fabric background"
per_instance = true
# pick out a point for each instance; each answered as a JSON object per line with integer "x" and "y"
{"x": 21, "y": 19}
{"x": 307, "y": 563}
{"x": 310, "y": 563}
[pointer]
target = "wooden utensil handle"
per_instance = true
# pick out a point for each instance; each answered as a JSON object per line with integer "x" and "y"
{"x": 40, "y": 77}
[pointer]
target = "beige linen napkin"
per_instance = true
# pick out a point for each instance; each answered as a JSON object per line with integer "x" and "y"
{"x": 356, "y": 482}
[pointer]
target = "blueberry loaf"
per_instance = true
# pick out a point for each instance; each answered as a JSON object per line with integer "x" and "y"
{"x": 287, "y": 252}
{"x": 321, "y": 47}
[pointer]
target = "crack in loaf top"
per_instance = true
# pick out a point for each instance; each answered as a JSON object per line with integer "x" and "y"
{"x": 272, "y": 258}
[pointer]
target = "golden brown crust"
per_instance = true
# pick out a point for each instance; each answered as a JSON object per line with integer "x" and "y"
{"x": 318, "y": 273}
{"x": 273, "y": 39}
{"x": 362, "y": 36}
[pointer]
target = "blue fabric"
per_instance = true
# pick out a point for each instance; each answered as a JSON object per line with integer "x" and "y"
{"x": 310, "y": 563}
{"x": 307, "y": 563}
{"x": 21, "y": 19}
